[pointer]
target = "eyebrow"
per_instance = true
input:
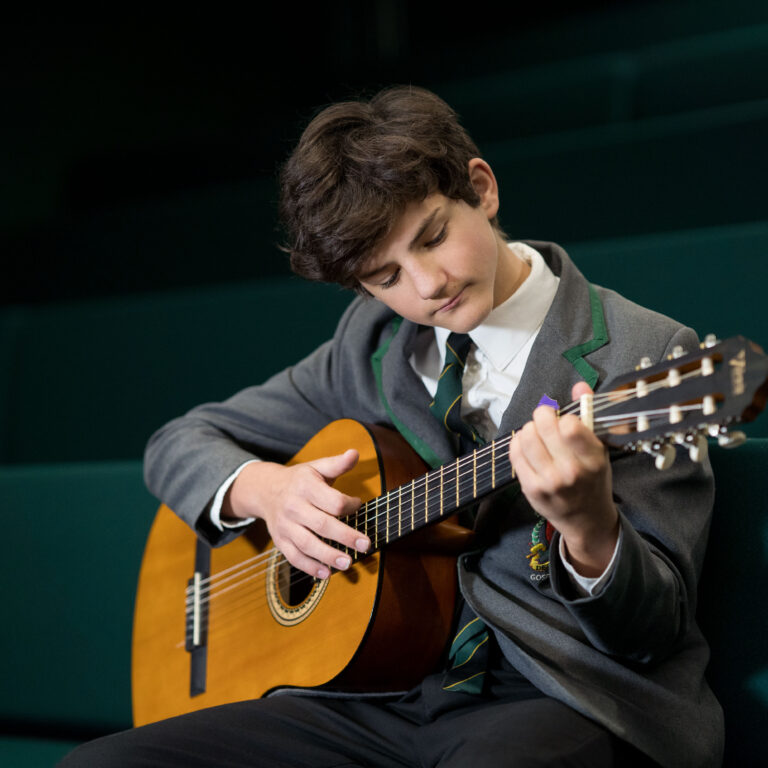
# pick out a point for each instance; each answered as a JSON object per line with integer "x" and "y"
{"x": 423, "y": 227}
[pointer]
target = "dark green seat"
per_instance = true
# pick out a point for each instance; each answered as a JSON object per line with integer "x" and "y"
{"x": 74, "y": 535}
{"x": 732, "y": 609}
{"x": 93, "y": 379}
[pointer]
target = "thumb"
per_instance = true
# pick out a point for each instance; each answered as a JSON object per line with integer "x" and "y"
{"x": 330, "y": 467}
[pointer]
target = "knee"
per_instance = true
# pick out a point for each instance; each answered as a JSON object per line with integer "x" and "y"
{"x": 100, "y": 752}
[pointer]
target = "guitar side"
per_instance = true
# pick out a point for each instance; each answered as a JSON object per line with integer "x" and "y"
{"x": 381, "y": 625}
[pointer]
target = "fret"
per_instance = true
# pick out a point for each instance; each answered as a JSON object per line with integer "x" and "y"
{"x": 400, "y": 512}
{"x": 493, "y": 463}
{"x": 441, "y": 490}
{"x": 376, "y": 523}
{"x": 458, "y": 503}
{"x": 426, "y": 498}
{"x": 387, "y": 516}
{"x": 413, "y": 505}
{"x": 474, "y": 474}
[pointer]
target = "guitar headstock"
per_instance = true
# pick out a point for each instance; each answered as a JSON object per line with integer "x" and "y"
{"x": 684, "y": 399}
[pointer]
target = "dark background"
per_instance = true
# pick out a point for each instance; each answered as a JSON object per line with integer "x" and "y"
{"x": 140, "y": 155}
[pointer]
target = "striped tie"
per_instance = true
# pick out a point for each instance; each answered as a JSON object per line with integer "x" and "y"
{"x": 468, "y": 656}
{"x": 446, "y": 407}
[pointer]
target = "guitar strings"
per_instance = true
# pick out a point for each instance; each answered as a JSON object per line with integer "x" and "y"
{"x": 225, "y": 613}
{"x": 609, "y": 399}
{"x": 301, "y": 576}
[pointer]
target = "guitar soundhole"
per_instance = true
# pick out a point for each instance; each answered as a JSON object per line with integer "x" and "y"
{"x": 294, "y": 586}
{"x": 291, "y": 594}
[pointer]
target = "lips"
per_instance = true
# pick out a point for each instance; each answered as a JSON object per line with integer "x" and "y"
{"x": 452, "y": 303}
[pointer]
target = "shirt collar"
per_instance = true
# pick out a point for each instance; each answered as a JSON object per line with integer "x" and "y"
{"x": 509, "y": 326}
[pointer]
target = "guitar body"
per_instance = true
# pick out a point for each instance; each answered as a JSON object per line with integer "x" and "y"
{"x": 381, "y": 625}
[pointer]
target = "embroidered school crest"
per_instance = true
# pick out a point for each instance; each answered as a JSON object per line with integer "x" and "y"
{"x": 541, "y": 536}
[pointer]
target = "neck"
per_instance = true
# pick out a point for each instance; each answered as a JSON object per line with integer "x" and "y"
{"x": 511, "y": 273}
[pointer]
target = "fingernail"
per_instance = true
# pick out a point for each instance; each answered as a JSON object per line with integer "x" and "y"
{"x": 323, "y": 573}
{"x": 342, "y": 563}
{"x": 361, "y": 545}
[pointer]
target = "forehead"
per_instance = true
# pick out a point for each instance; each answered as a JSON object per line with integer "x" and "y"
{"x": 409, "y": 226}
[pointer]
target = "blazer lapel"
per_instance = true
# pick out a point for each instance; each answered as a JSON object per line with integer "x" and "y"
{"x": 555, "y": 363}
{"x": 406, "y": 399}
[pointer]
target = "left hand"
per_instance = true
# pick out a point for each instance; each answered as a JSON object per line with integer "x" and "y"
{"x": 565, "y": 474}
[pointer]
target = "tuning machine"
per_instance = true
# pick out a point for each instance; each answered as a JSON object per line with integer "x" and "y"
{"x": 731, "y": 439}
{"x": 726, "y": 439}
{"x": 663, "y": 453}
{"x": 696, "y": 443}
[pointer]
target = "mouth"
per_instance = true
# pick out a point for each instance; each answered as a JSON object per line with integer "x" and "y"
{"x": 452, "y": 302}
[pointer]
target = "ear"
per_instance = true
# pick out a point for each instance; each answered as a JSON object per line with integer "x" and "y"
{"x": 484, "y": 183}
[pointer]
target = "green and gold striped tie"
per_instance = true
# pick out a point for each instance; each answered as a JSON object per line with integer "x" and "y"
{"x": 468, "y": 655}
{"x": 446, "y": 407}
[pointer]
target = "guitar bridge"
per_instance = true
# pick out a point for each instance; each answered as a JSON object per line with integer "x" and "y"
{"x": 196, "y": 619}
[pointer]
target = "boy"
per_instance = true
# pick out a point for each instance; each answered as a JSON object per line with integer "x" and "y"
{"x": 586, "y": 655}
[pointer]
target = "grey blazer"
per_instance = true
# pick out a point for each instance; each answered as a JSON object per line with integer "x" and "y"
{"x": 631, "y": 657}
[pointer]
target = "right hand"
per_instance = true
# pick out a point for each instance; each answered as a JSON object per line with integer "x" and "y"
{"x": 298, "y": 505}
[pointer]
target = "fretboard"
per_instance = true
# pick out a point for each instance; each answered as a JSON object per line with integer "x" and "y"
{"x": 434, "y": 496}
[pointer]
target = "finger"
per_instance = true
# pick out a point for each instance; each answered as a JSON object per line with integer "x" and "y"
{"x": 532, "y": 448}
{"x": 332, "y": 501}
{"x": 326, "y": 526}
{"x": 307, "y": 541}
{"x": 302, "y": 562}
{"x": 582, "y": 443}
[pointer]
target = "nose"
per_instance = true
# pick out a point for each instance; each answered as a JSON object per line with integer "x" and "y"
{"x": 429, "y": 278}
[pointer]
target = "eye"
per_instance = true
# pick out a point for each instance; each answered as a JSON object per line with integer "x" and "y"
{"x": 438, "y": 238}
{"x": 391, "y": 280}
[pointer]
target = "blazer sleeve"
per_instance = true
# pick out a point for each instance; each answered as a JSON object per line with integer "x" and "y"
{"x": 188, "y": 459}
{"x": 649, "y": 601}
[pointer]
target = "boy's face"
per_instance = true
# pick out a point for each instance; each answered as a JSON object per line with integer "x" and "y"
{"x": 444, "y": 264}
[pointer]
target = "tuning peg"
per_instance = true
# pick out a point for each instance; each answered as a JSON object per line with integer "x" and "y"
{"x": 710, "y": 340}
{"x": 664, "y": 454}
{"x": 677, "y": 351}
{"x": 698, "y": 448}
{"x": 731, "y": 439}
{"x": 645, "y": 362}
{"x": 695, "y": 442}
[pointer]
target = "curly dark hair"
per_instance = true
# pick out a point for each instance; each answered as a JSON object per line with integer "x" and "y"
{"x": 357, "y": 166}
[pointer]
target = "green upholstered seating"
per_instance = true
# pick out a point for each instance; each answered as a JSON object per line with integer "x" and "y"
{"x": 732, "y": 609}
{"x": 93, "y": 379}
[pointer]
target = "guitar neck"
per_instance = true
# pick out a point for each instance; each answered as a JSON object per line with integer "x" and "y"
{"x": 434, "y": 496}
{"x": 653, "y": 409}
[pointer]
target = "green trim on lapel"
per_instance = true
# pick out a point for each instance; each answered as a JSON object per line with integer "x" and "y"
{"x": 411, "y": 437}
{"x": 575, "y": 355}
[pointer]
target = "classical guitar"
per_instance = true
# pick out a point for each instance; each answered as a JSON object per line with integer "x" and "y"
{"x": 236, "y": 622}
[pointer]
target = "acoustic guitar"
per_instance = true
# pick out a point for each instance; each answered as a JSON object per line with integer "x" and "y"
{"x": 214, "y": 626}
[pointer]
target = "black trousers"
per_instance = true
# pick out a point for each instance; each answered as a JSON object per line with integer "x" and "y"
{"x": 302, "y": 732}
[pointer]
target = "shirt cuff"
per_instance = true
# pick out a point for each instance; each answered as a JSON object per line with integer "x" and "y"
{"x": 588, "y": 586}
{"x": 215, "y": 511}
